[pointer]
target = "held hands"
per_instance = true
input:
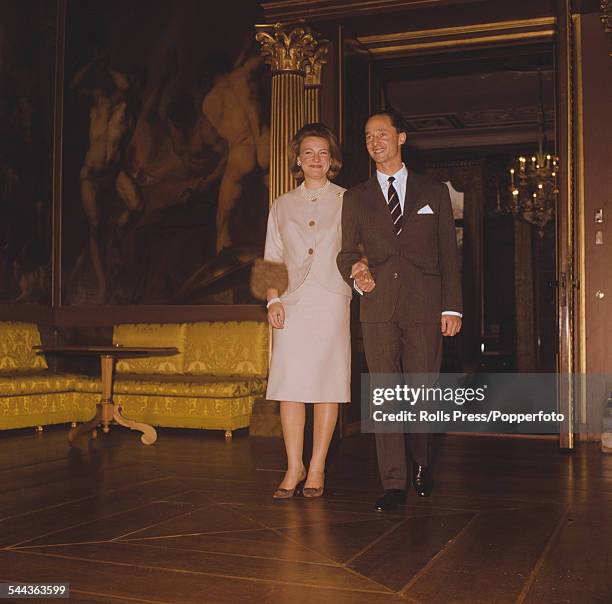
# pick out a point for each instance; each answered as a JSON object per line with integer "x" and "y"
{"x": 450, "y": 324}
{"x": 360, "y": 271}
{"x": 276, "y": 315}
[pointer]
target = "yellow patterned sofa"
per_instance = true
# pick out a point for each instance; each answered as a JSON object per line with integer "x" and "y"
{"x": 212, "y": 383}
{"x": 31, "y": 394}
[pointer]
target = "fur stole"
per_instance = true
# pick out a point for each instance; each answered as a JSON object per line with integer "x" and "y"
{"x": 266, "y": 275}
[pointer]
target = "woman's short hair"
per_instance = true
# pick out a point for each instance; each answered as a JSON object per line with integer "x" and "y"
{"x": 321, "y": 131}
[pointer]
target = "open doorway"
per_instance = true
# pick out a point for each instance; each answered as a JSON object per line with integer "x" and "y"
{"x": 468, "y": 115}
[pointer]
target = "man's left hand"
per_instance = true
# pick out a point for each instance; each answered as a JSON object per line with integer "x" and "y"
{"x": 451, "y": 325}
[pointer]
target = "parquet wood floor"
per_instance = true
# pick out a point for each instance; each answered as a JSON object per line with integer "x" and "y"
{"x": 191, "y": 519}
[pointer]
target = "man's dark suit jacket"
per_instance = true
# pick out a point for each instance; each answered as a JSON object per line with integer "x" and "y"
{"x": 423, "y": 260}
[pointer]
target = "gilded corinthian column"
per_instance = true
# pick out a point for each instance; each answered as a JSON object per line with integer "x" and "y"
{"x": 312, "y": 84}
{"x": 286, "y": 49}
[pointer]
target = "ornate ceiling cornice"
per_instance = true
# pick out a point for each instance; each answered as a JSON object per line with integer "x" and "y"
{"x": 388, "y": 45}
{"x": 288, "y": 10}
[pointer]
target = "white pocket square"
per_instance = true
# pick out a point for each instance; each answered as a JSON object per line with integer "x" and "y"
{"x": 425, "y": 210}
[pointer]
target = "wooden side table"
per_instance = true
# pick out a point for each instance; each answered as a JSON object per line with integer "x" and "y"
{"x": 106, "y": 409}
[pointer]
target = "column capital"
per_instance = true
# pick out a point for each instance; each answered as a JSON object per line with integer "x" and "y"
{"x": 286, "y": 48}
{"x": 314, "y": 64}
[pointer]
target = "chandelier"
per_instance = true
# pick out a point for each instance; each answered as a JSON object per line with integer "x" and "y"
{"x": 533, "y": 180}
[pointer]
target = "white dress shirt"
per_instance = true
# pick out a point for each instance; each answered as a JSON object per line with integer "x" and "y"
{"x": 399, "y": 184}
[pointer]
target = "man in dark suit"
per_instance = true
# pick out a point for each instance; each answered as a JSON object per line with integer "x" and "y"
{"x": 399, "y": 251}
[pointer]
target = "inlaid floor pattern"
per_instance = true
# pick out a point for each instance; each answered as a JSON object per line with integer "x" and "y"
{"x": 191, "y": 519}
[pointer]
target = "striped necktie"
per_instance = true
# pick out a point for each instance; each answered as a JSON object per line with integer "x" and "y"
{"x": 394, "y": 207}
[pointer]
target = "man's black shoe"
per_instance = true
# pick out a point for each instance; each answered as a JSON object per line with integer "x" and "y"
{"x": 422, "y": 480}
{"x": 390, "y": 500}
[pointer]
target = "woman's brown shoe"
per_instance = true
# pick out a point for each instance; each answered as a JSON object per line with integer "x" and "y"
{"x": 281, "y": 493}
{"x": 311, "y": 492}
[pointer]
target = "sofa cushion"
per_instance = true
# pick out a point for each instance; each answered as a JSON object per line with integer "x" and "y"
{"x": 188, "y": 411}
{"x": 16, "y": 342}
{"x": 205, "y": 386}
{"x": 44, "y": 409}
{"x": 151, "y": 334}
{"x": 227, "y": 348}
{"x": 35, "y": 383}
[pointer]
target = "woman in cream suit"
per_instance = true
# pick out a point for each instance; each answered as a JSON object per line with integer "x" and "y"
{"x": 311, "y": 353}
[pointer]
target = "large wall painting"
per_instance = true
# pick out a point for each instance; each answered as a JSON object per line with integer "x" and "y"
{"x": 27, "y": 79}
{"x": 165, "y": 152}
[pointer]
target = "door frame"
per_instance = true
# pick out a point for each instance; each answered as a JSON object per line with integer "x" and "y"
{"x": 557, "y": 29}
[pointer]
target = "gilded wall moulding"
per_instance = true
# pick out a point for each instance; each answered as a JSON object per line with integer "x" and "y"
{"x": 459, "y": 37}
{"x": 606, "y": 17}
{"x": 286, "y": 49}
{"x": 314, "y": 64}
{"x": 284, "y": 10}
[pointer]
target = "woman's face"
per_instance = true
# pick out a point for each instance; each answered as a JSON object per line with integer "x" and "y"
{"x": 315, "y": 157}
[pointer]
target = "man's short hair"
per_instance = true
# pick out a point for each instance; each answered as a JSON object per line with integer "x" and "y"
{"x": 397, "y": 121}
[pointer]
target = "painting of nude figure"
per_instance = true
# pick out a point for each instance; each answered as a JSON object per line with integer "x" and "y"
{"x": 165, "y": 152}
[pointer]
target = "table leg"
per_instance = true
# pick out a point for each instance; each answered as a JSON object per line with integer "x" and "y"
{"x": 149, "y": 434}
{"x": 85, "y": 427}
{"x": 112, "y": 411}
{"x": 104, "y": 409}
{"x": 107, "y": 411}
{"x": 107, "y": 365}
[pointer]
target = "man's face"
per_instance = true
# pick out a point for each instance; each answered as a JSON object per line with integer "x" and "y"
{"x": 383, "y": 142}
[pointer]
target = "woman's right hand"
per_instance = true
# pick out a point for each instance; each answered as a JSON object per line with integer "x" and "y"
{"x": 276, "y": 315}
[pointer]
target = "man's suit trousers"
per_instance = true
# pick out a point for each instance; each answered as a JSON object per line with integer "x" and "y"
{"x": 402, "y": 346}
